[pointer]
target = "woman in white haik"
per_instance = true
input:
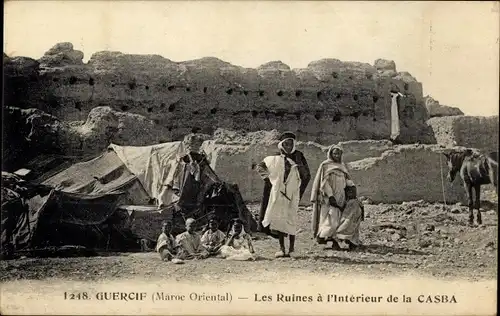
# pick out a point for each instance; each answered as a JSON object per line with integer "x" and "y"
{"x": 335, "y": 217}
{"x": 284, "y": 172}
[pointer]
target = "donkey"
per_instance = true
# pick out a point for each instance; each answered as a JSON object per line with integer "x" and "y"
{"x": 475, "y": 170}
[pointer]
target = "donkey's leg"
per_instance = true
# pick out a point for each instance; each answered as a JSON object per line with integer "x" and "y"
{"x": 477, "y": 188}
{"x": 468, "y": 189}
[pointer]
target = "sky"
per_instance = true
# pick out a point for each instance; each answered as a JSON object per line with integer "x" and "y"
{"x": 451, "y": 47}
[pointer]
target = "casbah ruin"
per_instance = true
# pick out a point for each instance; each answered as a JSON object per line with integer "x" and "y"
{"x": 61, "y": 105}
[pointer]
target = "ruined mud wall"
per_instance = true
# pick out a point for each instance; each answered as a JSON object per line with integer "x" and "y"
{"x": 467, "y": 131}
{"x": 406, "y": 173}
{"x": 435, "y": 109}
{"x": 327, "y": 102}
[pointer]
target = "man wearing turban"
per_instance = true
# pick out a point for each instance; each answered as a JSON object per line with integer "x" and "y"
{"x": 286, "y": 176}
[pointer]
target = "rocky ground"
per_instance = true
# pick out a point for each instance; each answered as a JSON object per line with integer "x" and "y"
{"x": 412, "y": 238}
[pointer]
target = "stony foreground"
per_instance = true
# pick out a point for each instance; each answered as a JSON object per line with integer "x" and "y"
{"x": 415, "y": 238}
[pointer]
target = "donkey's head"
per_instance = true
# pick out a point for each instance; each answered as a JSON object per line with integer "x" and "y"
{"x": 455, "y": 160}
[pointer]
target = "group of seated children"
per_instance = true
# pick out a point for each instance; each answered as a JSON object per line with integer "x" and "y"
{"x": 237, "y": 245}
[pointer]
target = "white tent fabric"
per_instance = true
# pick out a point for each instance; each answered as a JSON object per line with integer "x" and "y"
{"x": 154, "y": 166}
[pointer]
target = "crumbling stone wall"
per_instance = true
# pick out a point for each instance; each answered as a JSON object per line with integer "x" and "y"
{"x": 327, "y": 102}
{"x": 26, "y": 134}
{"x": 435, "y": 109}
{"x": 467, "y": 131}
{"x": 30, "y": 132}
{"x": 406, "y": 173}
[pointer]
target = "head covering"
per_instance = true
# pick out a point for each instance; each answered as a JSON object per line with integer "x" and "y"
{"x": 238, "y": 221}
{"x": 350, "y": 183}
{"x": 193, "y": 142}
{"x": 287, "y": 135}
{"x": 284, "y": 137}
{"x": 331, "y": 149}
{"x": 190, "y": 221}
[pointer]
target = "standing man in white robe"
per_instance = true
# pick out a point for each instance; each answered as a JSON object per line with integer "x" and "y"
{"x": 286, "y": 176}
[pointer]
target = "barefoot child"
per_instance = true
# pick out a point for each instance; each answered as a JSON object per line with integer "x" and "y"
{"x": 239, "y": 245}
{"x": 189, "y": 242}
{"x": 166, "y": 245}
{"x": 350, "y": 220}
{"x": 213, "y": 238}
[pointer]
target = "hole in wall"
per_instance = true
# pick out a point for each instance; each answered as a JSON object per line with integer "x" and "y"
{"x": 55, "y": 79}
{"x": 72, "y": 80}
{"x": 350, "y": 77}
{"x": 355, "y": 97}
{"x": 147, "y": 87}
{"x": 78, "y": 105}
{"x": 91, "y": 81}
{"x": 298, "y": 115}
{"x": 261, "y": 93}
{"x": 406, "y": 86}
{"x": 195, "y": 130}
{"x": 205, "y": 89}
{"x": 317, "y": 116}
{"x": 188, "y": 89}
{"x": 170, "y": 88}
{"x": 169, "y": 128}
{"x": 171, "y": 107}
{"x": 229, "y": 91}
{"x": 196, "y": 112}
{"x": 298, "y": 93}
{"x": 369, "y": 76}
{"x": 245, "y": 92}
{"x": 112, "y": 85}
{"x": 132, "y": 85}
{"x": 338, "y": 96}
{"x": 280, "y": 93}
{"x": 336, "y": 117}
{"x": 254, "y": 113}
{"x": 335, "y": 75}
{"x": 355, "y": 114}
{"x": 150, "y": 109}
{"x": 375, "y": 99}
{"x": 124, "y": 108}
{"x": 213, "y": 111}
{"x": 162, "y": 105}
{"x": 156, "y": 121}
{"x": 319, "y": 94}
{"x": 280, "y": 113}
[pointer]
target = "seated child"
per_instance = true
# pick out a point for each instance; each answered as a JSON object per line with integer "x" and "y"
{"x": 189, "y": 243}
{"x": 350, "y": 220}
{"x": 239, "y": 244}
{"x": 213, "y": 238}
{"x": 166, "y": 245}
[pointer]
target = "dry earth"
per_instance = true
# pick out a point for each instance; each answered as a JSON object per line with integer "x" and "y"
{"x": 412, "y": 238}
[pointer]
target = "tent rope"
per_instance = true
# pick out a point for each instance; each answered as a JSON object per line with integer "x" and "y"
{"x": 442, "y": 179}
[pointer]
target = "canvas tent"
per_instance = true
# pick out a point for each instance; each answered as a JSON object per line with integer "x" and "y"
{"x": 37, "y": 217}
{"x": 179, "y": 182}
